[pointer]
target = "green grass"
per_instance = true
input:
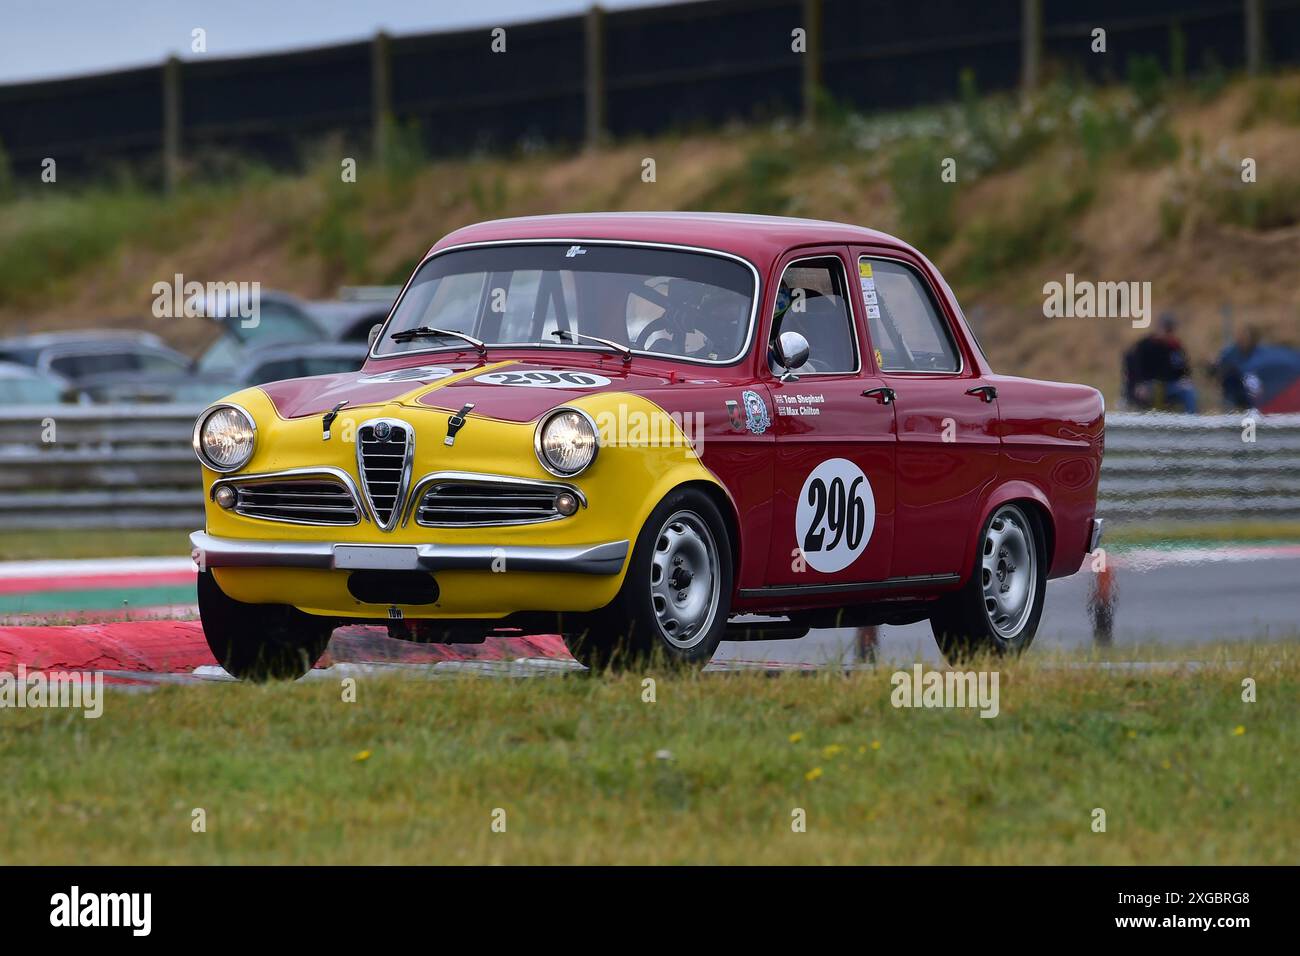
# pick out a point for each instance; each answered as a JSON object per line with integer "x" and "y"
{"x": 101, "y": 543}
{"x": 1230, "y": 532}
{"x": 587, "y": 772}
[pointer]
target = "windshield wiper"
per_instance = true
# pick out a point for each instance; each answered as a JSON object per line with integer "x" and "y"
{"x": 424, "y": 331}
{"x": 622, "y": 350}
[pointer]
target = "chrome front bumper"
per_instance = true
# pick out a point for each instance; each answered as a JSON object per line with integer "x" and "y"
{"x": 212, "y": 552}
{"x": 1094, "y": 536}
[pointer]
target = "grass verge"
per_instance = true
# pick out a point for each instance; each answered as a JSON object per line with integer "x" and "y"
{"x": 586, "y": 771}
{"x": 50, "y": 544}
{"x": 1228, "y": 532}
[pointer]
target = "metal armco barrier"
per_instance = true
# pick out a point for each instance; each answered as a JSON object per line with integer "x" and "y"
{"x": 132, "y": 467}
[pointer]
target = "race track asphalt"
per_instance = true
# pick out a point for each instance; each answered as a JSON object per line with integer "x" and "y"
{"x": 1182, "y": 597}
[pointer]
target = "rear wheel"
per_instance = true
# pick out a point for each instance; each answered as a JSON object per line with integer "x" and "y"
{"x": 676, "y": 594}
{"x": 998, "y": 609}
{"x": 260, "y": 641}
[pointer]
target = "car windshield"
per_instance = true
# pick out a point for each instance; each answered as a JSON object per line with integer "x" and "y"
{"x": 690, "y": 305}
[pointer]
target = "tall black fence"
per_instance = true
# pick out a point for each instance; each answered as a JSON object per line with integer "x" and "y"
{"x": 622, "y": 73}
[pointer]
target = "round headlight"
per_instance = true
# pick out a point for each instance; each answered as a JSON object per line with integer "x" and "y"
{"x": 566, "y": 442}
{"x": 224, "y": 437}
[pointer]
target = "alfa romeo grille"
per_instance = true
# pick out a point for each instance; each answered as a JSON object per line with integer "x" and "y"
{"x": 460, "y": 503}
{"x": 297, "y": 500}
{"x": 384, "y": 459}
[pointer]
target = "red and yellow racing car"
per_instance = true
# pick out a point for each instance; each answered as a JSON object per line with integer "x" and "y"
{"x": 630, "y": 429}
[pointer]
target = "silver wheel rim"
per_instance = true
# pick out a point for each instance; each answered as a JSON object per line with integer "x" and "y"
{"x": 684, "y": 579}
{"x": 1008, "y": 571}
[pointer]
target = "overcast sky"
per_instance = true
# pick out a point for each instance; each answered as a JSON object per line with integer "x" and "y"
{"x": 49, "y": 38}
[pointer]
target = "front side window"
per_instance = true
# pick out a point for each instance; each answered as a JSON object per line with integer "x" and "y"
{"x": 691, "y": 305}
{"x": 813, "y": 301}
{"x": 907, "y": 331}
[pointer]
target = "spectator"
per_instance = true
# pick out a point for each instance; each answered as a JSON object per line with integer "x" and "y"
{"x": 1156, "y": 370}
{"x": 1240, "y": 388}
{"x": 1259, "y": 375}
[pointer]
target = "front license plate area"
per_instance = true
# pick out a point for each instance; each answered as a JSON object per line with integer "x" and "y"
{"x": 356, "y": 557}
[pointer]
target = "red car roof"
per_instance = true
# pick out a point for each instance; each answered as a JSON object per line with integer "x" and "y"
{"x": 757, "y": 238}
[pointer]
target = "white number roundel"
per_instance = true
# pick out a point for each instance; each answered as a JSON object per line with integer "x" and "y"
{"x": 541, "y": 378}
{"x": 835, "y": 516}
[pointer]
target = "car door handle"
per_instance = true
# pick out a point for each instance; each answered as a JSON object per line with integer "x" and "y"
{"x": 882, "y": 394}
{"x": 986, "y": 392}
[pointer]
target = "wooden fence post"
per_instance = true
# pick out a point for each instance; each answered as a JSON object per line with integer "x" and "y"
{"x": 1031, "y": 44}
{"x": 381, "y": 96}
{"x": 171, "y": 122}
{"x": 594, "y": 87}
{"x": 1254, "y": 36}
{"x": 812, "y": 59}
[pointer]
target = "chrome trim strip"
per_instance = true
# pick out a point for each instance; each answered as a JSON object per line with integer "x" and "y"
{"x": 605, "y": 558}
{"x": 782, "y": 590}
{"x": 559, "y": 241}
{"x": 198, "y": 426}
{"x": 1094, "y": 539}
{"x": 292, "y": 474}
{"x": 537, "y": 440}
{"x": 474, "y": 477}
{"x": 399, "y": 503}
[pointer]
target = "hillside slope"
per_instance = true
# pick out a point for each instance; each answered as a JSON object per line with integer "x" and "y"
{"x": 1110, "y": 185}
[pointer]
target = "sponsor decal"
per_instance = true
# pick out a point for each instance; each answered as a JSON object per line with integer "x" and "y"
{"x": 735, "y": 416}
{"x": 544, "y": 379}
{"x": 757, "y": 420}
{"x": 421, "y": 373}
{"x": 835, "y": 515}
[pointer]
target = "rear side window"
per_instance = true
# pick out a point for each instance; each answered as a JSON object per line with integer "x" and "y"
{"x": 907, "y": 331}
{"x": 80, "y": 365}
{"x": 813, "y": 301}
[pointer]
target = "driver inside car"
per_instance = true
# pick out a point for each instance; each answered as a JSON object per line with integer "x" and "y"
{"x": 702, "y": 328}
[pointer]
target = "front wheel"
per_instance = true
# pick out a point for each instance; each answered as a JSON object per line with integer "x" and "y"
{"x": 676, "y": 594}
{"x": 998, "y": 609}
{"x": 260, "y": 641}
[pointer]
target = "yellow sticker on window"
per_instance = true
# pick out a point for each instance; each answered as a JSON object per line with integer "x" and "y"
{"x": 864, "y": 269}
{"x": 879, "y": 361}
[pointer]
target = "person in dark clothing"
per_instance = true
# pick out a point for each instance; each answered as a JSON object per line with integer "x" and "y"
{"x": 1230, "y": 368}
{"x": 1156, "y": 370}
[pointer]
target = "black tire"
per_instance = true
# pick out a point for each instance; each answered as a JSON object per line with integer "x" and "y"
{"x": 963, "y": 624}
{"x": 632, "y": 629}
{"x": 260, "y": 642}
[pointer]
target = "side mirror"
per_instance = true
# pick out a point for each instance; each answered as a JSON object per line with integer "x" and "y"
{"x": 374, "y": 334}
{"x": 792, "y": 351}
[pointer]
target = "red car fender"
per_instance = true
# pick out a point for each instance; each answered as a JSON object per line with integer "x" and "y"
{"x": 996, "y": 497}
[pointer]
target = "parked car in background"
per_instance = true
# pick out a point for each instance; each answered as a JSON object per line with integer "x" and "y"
{"x": 357, "y": 310}
{"x": 666, "y": 421}
{"x": 111, "y": 365}
{"x": 285, "y": 318}
{"x": 22, "y": 385}
{"x": 275, "y": 362}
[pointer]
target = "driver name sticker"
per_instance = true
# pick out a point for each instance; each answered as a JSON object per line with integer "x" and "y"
{"x": 544, "y": 379}
{"x": 835, "y": 515}
{"x": 799, "y": 404}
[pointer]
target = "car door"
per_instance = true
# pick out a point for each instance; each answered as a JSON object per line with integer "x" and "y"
{"x": 947, "y": 414}
{"x": 833, "y": 502}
